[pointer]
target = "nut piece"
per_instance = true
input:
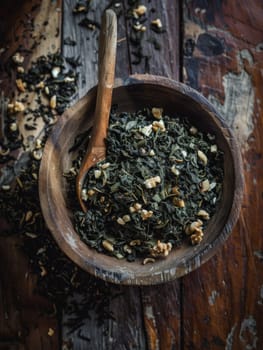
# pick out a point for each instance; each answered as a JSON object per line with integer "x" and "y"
{"x": 107, "y": 245}
{"x": 203, "y": 214}
{"x": 157, "y": 22}
{"x": 178, "y": 202}
{"x": 213, "y": 148}
{"x": 53, "y": 102}
{"x": 18, "y": 58}
{"x": 161, "y": 249}
{"x": 139, "y": 11}
{"x": 205, "y": 185}
{"x": 158, "y": 125}
{"x": 157, "y": 112}
{"x": 120, "y": 221}
{"x": 175, "y": 171}
{"x": 20, "y": 85}
{"x": 196, "y": 238}
{"x": 152, "y": 182}
{"x": 202, "y": 157}
{"x": 146, "y": 214}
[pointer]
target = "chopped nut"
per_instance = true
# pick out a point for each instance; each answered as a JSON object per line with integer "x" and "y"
{"x": 178, "y": 202}
{"x": 213, "y": 148}
{"x": 40, "y": 85}
{"x": 140, "y": 10}
{"x": 175, "y": 190}
{"x": 50, "y": 332}
{"x": 38, "y": 144}
{"x": 135, "y": 242}
{"x": 43, "y": 271}
{"x": 84, "y": 195}
{"x": 193, "y": 130}
{"x": 146, "y": 214}
{"x": 126, "y": 218}
{"x": 205, "y": 185}
{"x": 46, "y": 90}
{"x": 157, "y": 112}
{"x": 20, "y": 85}
{"x": 127, "y": 249}
{"x": 202, "y": 157}
{"x": 53, "y": 102}
{"x": 161, "y": 249}
{"x": 137, "y": 206}
{"x": 107, "y": 245}
{"x": 157, "y": 22}
{"x": 148, "y": 260}
{"x": 195, "y": 226}
{"x": 175, "y": 171}
{"x": 203, "y": 214}
{"x": 91, "y": 192}
{"x": 55, "y": 72}
{"x": 20, "y": 70}
{"x": 105, "y": 165}
{"x": 120, "y": 221}
{"x": 13, "y": 126}
{"x": 28, "y": 216}
{"x": 17, "y": 106}
{"x": 196, "y": 238}
{"x": 37, "y": 154}
{"x": 158, "y": 125}
{"x": 152, "y": 182}
{"x": 18, "y": 58}
{"x": 69, "y": 79}
{"x": 151, "y": 153}
{"x": 97, "y": 173}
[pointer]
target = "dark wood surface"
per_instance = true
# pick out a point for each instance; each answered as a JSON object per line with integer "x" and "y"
{"x": 217, "y": 48}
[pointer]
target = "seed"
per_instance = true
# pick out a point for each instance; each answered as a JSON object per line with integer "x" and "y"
{"x": 107, "y": 245}
{"x": 20, "y": 85}
{"x": 53, "y": 102}
{"x": 202, "y": 157}
{"x": 50, "y": 332}
{"x": 213, "y": 148}
{"x": 175, "y": 171}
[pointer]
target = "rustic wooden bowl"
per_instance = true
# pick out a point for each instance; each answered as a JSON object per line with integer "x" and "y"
{"x": 136, "y": 92}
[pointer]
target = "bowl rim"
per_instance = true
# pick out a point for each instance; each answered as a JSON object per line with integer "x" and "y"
{"x": 147, "y": 276}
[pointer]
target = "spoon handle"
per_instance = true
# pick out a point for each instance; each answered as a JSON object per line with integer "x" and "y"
{"x": 106, "y": 74}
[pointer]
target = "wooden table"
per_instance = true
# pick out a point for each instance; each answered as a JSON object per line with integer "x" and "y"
{"x": 217, "y": 48}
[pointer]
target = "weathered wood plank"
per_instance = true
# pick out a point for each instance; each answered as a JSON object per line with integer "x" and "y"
{"x": 223, "y": 59}
{"x": 33, "y": 28}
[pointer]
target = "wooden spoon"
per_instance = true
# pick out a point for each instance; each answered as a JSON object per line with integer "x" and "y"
{"x": 107, "y": 57}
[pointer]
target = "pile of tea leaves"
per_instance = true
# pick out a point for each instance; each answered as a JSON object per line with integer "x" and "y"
{"x": 159, "y": 185}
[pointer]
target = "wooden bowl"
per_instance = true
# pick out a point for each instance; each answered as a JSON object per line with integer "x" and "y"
{"x": 136, "y": 92}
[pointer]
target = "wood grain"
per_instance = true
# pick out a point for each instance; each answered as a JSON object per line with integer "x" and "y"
{"x": 224, "y": 309}
{"x": 24, "y": 323}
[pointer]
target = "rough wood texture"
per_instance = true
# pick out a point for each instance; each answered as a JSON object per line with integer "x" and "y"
{"x": 220, "y": 304}
{"x": 222, "y": 301}
{"x": 24, "y": 323}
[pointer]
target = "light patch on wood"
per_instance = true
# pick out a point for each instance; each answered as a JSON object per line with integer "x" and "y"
{"x": 248, "y": 333}
{"x": 212, "y": 297}
{"x": 239, "y": 101}
{"x": 230, "y": 338}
